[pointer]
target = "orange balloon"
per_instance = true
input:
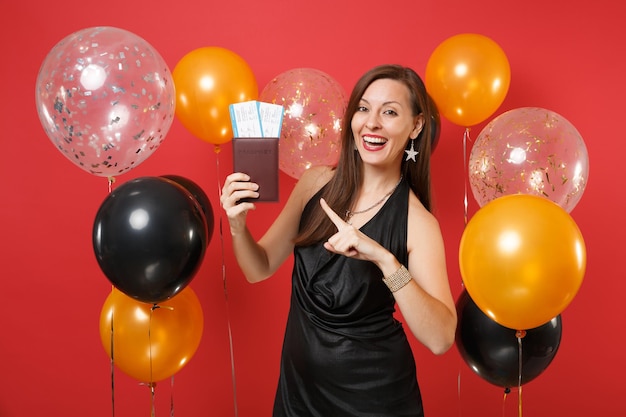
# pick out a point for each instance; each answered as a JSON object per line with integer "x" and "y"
{"x": 522, "y": 260}
{"x": 207, "y": 81}
{"x": 151, "y": 344}
{"x": 468, "y": 76}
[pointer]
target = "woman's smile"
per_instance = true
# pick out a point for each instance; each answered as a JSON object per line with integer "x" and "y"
{"x": 374, "y": 142}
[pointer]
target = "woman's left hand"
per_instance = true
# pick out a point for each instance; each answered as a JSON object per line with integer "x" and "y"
{"x": 350, "y": 241}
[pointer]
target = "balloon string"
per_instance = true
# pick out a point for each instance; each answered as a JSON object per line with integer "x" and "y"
{"x": 172, "y": 396}
{"x": 520, "y": 335}
{"x": 458, "y": 391}
{"x": 230, "y": 334}
{"x": 507, "y": 390}
{"x": 465, "y": 219}
{"x": 151, "y": 383}
{"x": 112, "y": 370}
{"x": 152, "y": 409}
{"x": 466, "y": 137}
{"x": 110, "y": 182}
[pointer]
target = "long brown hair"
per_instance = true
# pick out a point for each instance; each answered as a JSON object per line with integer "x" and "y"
{"x": 342, "y": 189}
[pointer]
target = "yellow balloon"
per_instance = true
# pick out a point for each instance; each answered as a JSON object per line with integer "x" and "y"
{"x": 468, "y": 76}
{"x": 522, "y": 260}
{"x": 151, "y": 344}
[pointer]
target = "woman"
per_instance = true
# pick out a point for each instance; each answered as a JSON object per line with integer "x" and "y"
{"x": 364, "y": 240}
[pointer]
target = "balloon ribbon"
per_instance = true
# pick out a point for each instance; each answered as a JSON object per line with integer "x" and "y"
{"x": 112, "y": 369}
{"x": 110, "y": 181}
{"x": 520, "y": 335}
{"x": 151, "y": 384}
{"x": 466, "y": 137}
{"x": 172, "y": 396}
{"x": 230, "y": 334}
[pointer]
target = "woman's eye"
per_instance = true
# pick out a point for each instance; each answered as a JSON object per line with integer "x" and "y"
{"x": 390, "y": 112}
{"x": 361, "y": 108}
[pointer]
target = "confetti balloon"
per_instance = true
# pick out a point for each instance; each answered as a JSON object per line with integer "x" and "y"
{"x": 106, "y": 99}
{"x": 314, "y": 106}
{"x": 529, "y": 150}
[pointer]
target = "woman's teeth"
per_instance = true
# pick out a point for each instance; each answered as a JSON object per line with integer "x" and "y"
{"x": 374, "y": 141}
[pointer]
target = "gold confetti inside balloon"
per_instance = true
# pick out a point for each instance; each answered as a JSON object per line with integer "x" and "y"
{"x": 314, "y": 105}
{"x": 529, "y": 150}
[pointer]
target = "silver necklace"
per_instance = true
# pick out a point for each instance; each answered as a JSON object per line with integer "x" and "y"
{"x": 350, "y": 213}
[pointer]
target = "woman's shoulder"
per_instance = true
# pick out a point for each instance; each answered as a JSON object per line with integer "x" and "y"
{"x": 311, "y": 181}
{"x": 423, "y": 230}
{"x": 318, "y": 174}
{"x": 314, "y": 178}
{"x": 419, "y": 216}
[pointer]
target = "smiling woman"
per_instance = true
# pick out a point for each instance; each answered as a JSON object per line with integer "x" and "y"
{"x": 350, "y": 274}
{"x": 396, "y": 119}
{"x": 566, "y": 57}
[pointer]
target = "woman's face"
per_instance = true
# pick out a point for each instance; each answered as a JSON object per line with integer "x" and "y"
{"x": 384, "y": 122}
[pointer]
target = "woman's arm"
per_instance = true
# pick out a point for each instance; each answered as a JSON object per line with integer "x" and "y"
{"x": 259, "y": 260}
{"x": 426, "y": 302}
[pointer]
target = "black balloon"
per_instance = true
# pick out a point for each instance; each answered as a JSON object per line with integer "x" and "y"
{"x": 198, "y": 193}
{"x": 149, "y": 237}
{"x": 492, "y": 350}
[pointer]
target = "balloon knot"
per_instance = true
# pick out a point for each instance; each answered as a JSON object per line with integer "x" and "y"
{"x": 155, "y": 306}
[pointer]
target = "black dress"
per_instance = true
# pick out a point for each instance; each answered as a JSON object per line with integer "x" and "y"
{"x": 344, "y": 354}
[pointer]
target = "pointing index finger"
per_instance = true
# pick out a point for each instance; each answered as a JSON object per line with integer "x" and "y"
{"x": 334, "y": 217}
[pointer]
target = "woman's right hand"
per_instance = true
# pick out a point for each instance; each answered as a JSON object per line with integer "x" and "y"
{"x": 236, "y": 187}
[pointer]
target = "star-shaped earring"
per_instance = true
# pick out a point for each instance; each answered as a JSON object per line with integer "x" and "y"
{"x": 411, "y": 153}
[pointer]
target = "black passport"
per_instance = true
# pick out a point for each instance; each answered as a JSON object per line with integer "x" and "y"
{"x": 258, "y": 157}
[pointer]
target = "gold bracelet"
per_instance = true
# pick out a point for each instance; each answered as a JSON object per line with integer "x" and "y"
{"x": 398, "y": 279}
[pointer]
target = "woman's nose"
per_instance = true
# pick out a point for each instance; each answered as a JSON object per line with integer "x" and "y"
{"x": 372, "y": 121}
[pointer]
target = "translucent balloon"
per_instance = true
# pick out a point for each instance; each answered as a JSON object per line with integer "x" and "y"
{"x": 529, "y": 150}
{"x": 106, "y": 99}
{"x": 314, "y": 106}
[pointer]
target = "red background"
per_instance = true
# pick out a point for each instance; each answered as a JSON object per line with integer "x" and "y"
{"x": 564, "y": 56}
